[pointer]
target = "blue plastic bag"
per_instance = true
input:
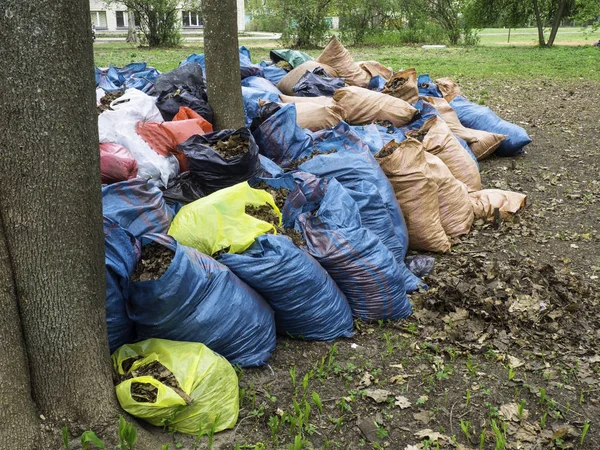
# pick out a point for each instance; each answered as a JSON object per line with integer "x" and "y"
{"x": 352, "y": 163}
{"x": 121, "y": 254}
{"x": 306, "y": 301}
{"x": 261, "y": 84}
{"x": 273, "y": 73}
{"x": 200, "y": 300}
{"x": 360, "y": 264}
{"x": 391, "y": 133}
{"x": 427, "y": 88}
{"x": 247, "y": 68}
{"x": 483, "y": 118}
{"x": 280, "y": 139}
{"x": 137, "y": 206}
{"x": 250, "y": 97}
{"x": 425, "y": 112}
{"x": 370, "y": 135}
{"x": 377, "y": 83}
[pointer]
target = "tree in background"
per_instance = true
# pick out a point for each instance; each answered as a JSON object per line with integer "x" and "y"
{"x": 159, "y": 20}
{"x": 546, "y": 13}
{"x": 452, "y": 17}
{"x": 223, "y": 63}
{"x": 305, "y": 24}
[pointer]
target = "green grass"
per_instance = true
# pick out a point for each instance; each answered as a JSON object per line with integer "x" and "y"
{"x": 501, "y": 63}
{"x": 528, "y": 36}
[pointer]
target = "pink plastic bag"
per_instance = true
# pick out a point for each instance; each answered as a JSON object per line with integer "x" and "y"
{"x": 116, "y": 163}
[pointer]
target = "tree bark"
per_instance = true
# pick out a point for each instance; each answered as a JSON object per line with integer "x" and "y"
{"x": 131, "y": 34}
{"x": 540, "y": 25}
{"x": 18, "y": 417}
{"x": 223, "y": 63}
{"x": 50, "y": 206}
{"x": 556, "y": 22}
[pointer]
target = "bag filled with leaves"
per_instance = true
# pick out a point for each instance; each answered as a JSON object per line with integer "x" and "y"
{"x": 184, "y": 386}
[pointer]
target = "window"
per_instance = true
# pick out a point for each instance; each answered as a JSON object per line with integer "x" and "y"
{"x": 192, "y": 19}
{"x": 122, "y": 19}
{"x": 99, "y": 19}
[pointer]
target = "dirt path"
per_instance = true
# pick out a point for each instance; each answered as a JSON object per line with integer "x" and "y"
{"x": 503, "y": 347}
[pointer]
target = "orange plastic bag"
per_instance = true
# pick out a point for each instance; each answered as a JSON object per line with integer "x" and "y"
{"x": 188, "y": 113}
{"x": 162, "y": 141}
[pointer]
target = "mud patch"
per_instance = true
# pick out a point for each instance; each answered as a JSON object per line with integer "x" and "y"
{"x": 232, "y": 147}
{"x": 155, "y": 261}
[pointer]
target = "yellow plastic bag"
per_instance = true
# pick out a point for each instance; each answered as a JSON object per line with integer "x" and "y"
{"x": 219, "y": 221}
{"x": 202, "y": 395}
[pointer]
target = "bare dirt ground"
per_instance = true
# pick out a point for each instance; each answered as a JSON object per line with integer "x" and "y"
{"x": 502, "y": 351}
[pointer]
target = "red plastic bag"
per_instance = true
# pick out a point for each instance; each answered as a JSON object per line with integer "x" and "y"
{"x": 188, "y": 113}
{"x": 116, "y": 163}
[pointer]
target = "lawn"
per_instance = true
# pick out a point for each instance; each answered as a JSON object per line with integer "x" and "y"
{"x": 498, "y": 62}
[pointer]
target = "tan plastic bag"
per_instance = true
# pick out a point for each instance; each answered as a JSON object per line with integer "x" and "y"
{"x": 507, "y": 202}
{"x": 481, "y": 143}
{"x": 317, "y": 117}
{"x": 289, "y": 81}
{"x": 486, "y": 144}
{"x": 406, "y": 167}
{"x": 451, "y": 118}
{"x": 438, "y": 139}
{"x": 448, "y": 87}
{"x": 364, "y": 106}
{"x": 403, "y": 85}
{"x": 335, "y": 55}
{"x": 325, "y": 101}
{"x": 456, "y": 210}
{"x": 374, "y": 68}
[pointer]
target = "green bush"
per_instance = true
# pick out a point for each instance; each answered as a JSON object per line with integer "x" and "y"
{"x": 267, "y": 23}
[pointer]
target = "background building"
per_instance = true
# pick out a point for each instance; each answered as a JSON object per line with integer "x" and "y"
{"x": 113, "y": 18}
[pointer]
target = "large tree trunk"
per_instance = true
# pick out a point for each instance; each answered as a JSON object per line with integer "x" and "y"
{"x": 18, "y": 416}
{"x": 556, "y": 22}
{"x": 131, "y": 34}
{"x": 540, "y": 25}
{"x": 223, "y": 63}
{"x": 50, "y": 206}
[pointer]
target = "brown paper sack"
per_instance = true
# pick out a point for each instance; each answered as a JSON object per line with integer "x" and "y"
{"x": 438, "y": 139}
{"x": 456, "y": 210}
{"x": 406, "y": 167}
{"x": 364, "y": 106}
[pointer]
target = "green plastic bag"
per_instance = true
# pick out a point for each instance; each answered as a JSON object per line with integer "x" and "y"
{"x": 293, "y": 57}
{"x": 194, "y": 390}
{"x": 219, "y": 221}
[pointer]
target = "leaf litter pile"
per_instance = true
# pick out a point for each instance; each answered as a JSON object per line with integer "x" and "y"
{"x": 155, "y": 261}
{"x": 232, "y": 147}
{"x": 267, "y": 214}
{"x": 146, "y": 392}
{"x": 295, "y": 164}
{"x": 107, "y": 99}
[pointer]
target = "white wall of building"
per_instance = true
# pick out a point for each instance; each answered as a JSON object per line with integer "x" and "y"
{"x": 105, "y": 17}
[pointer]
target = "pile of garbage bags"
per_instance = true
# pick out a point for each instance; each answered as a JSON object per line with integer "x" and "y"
{"x": 217, "y": 241}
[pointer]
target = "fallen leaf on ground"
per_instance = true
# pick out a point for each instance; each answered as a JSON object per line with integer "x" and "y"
{"x": 402, "y": 402}
{"x": 379, "y": 395}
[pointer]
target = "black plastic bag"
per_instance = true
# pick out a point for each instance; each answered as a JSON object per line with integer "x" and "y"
{"x": 266, "y": 111}
{"x": 215, "y": 171}
{"x": 317, "y": 83}
{"x": 171, "y": 100}
{"x": 189, "y": 75}
{"x": 184, "y": 189}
